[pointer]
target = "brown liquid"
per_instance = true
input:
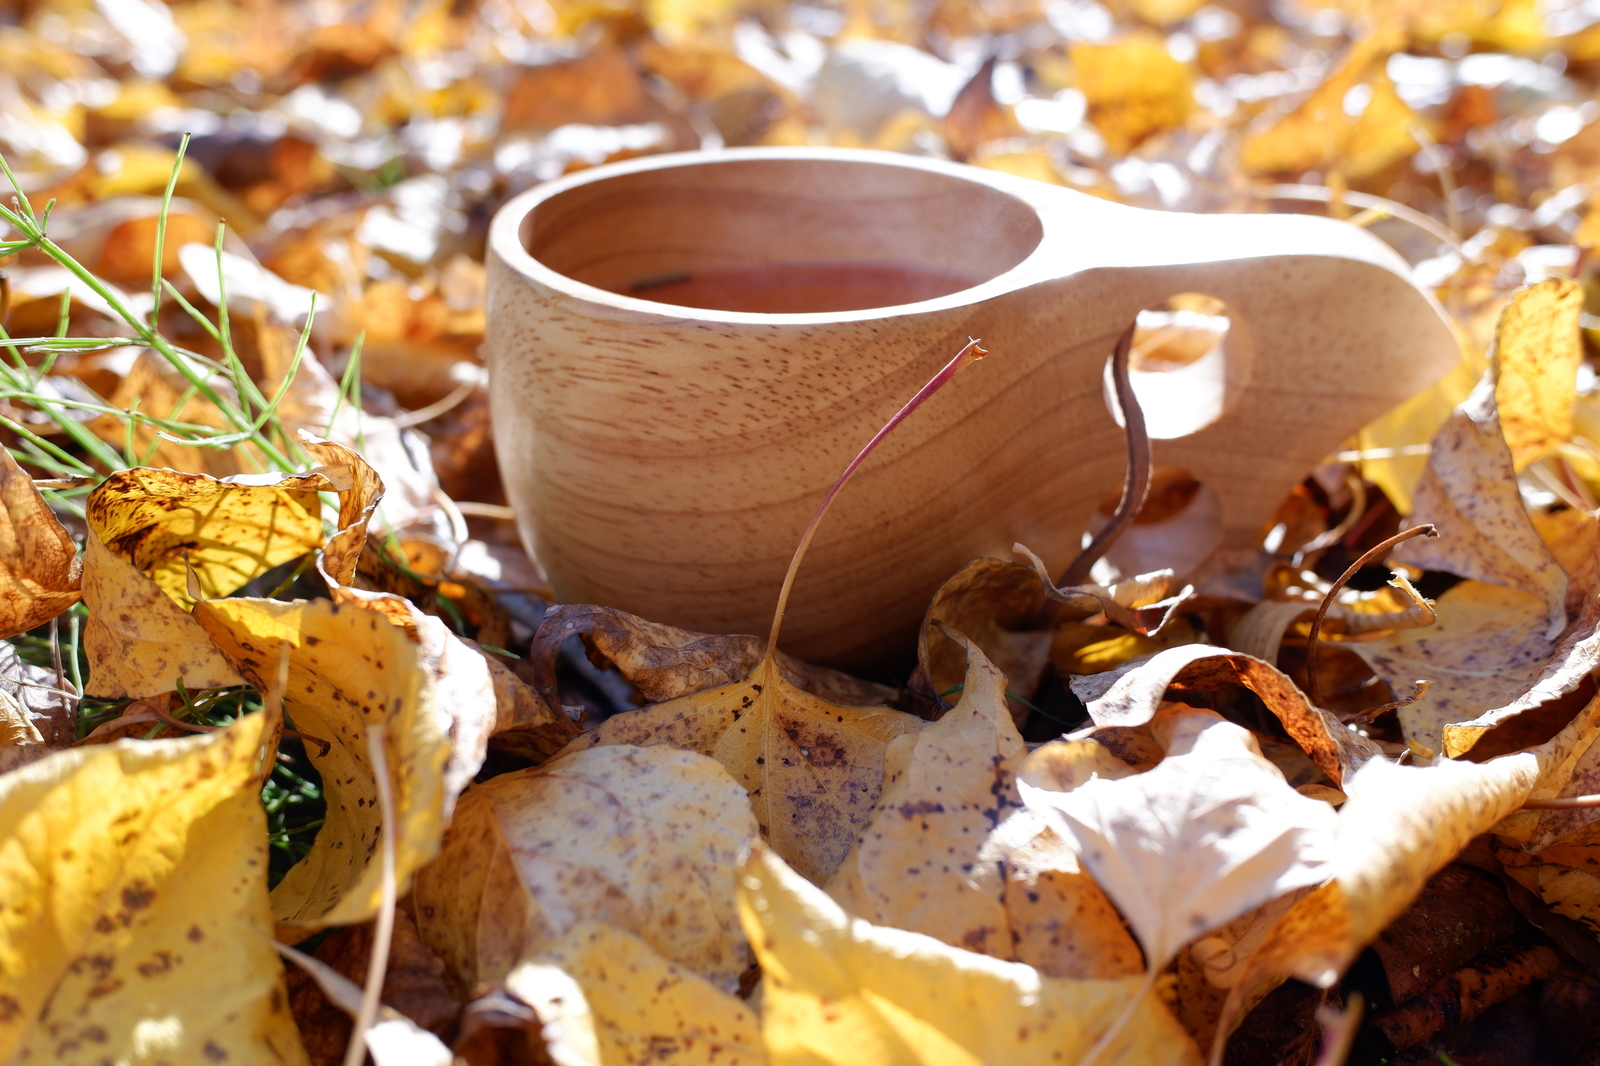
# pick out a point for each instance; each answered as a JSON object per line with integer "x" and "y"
{"x": 800, "y": 288}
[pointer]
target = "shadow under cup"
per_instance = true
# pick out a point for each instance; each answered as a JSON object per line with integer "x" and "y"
{"x": 782, "y": 236}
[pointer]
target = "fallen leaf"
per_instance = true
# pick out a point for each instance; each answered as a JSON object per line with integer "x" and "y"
{"x": 41, "y": 575}
{"x": 945, "y": 789}
{"x": 1535, "y": 361}
{"x": 133, "y": 875}
{"x": 1134, "y": 89}
{"x": 643, "y": 838}
{"x": 350, "y": 667}
{"x": 1211, "y": 832}
{"x": 34, "y": 698}
{"x": 814, "y": 769}
{"x": 1131, "y": 694}
{"x": 607, "y": 999}
{"x": 664, "y": 662}
{"x": 1400, "y": 826}
{"x": 841, "y": 990}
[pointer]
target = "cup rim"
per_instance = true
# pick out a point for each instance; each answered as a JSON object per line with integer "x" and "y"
{"x": 505, "y": 237}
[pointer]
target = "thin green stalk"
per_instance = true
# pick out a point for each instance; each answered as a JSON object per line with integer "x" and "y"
{"x": 161, "y": 232}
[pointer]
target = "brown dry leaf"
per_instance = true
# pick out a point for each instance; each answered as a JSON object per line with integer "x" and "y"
{"x": 813, "y": 768}
{"x": 132, "y": 876}
{"x": 1134, "y": 88}
{"x": 945, "y": 789}
{"x": 350, "y": 667}
{"x": 33, "y": 702}
{"x": 664, "y": 662}
{"x": 607, "y": 999}
{"x": 154, "y": 387}
{"x": 1131, "y": 695}
{"x": 41, "y": 575}
{"x": 642, "y": 838}
{"x": 844, "y": 991}
{"x": 394, "y": 1039}
{"x": 1537, "y": 350}
{"x": 601, "y": 88}
{"x": 1210, "y": 833}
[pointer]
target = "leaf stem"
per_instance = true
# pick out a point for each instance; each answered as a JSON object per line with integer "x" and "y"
{"x": 1376, "y": 552}
{"x": 1136, "y": 483}
{"x": 969, "y": 354}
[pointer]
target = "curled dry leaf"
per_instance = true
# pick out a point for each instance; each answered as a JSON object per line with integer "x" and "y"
{"x": 643, "y": 838}
{"x": 348, "y": 668}
{"x": 32, "y": 703}
{"x": 149, "y": 530}
{"x": 1353, "y": 614}
{"x": 1131, "y": 695}
{"x": 664, "y": 662}
{"x": 813, "y": 769}
{"x": 1211, "y": 832}
{"x": 607, "y": 999}
{"x": 945, "y": 789}
{"x": 131, "y": 875}
{"x": 40, "y": 575}
{"x": 842, "y": 990}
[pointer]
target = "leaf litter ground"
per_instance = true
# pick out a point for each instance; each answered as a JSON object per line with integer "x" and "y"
{"x": 1116, "y": 820}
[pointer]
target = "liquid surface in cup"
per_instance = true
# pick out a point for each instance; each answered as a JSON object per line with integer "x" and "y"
{"x": 800, "y": 288}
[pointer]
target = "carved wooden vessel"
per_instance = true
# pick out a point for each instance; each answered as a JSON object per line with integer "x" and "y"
{"x": 686, "y": 350}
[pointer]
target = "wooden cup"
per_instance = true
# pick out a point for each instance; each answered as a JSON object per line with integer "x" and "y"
{"x": 664, "y": 458}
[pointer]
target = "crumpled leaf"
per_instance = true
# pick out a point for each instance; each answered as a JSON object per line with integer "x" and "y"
{"x": 1211, "y": 832}
{"x": 607, "y": 999}
{"x": 946, "y": 788}
{"x": 1537, "y": 350}
{"x": 1353, "y": 614}
{"x": 41, "y": 575}
{"x": 132, "y": 875}
{"x": 842, "y": 990}
{"x": 814, "y": 769}
{"x": 350, "y": 667}
{"x": 664, "y": 662}
{"x": 643, "y": 838}
{"x": 1131, "y": 694}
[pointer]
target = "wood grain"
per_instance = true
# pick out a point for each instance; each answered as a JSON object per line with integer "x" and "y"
{"x": 664, "y": 459}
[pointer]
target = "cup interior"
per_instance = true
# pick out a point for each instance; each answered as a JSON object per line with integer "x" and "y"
{"x": 782, "y": 236}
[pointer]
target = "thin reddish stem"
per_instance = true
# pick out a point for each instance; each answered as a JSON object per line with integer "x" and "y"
{"x": 970, "y": 354}
{"x": 1562, "y": 803}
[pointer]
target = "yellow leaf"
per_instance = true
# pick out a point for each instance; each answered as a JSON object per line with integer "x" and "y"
{"x": 1318, "y": 132}
{"x": 137, "y": 640}
{"x": 133, "y": 906}
{"x": 1384, "y": 133}
{"x": 606, "y": 999}
{"x": 1536, "y": 354}
{"x": 838, "y": 990}
{"x": 1134, "y": 88}
{"x": 643, "y": 838}
{"x": 41, "y": 575}
{"x": 814, "y": 769}
{"x": 169, "y": 524}
{"x": 1410, "y": 425}
{"x": 945, "y": 789}
{"x": 349, "y": 667}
